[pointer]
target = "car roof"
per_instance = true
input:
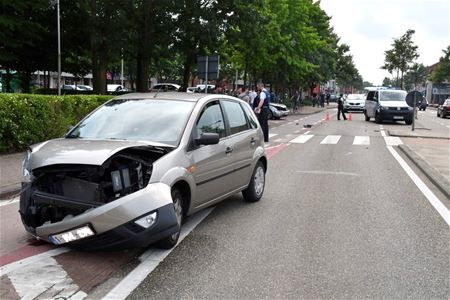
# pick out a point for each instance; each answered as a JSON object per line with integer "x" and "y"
{"x": 194, "y": 97}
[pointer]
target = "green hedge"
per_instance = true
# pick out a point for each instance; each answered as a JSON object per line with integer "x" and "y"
{"x": 26, "y": 119}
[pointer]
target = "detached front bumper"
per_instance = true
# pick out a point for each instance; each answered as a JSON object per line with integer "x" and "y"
{"x": 113, "y": 223}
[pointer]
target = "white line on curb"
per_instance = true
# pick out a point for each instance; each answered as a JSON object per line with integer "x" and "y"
{"x": 151, "y": 259}
{"x": 435, "y": 202}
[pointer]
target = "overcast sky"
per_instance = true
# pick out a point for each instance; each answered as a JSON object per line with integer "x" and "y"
{"x": 369, "y": 27}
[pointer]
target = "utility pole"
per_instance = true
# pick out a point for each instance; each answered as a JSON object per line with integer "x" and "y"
{"x": 59, "y": 48}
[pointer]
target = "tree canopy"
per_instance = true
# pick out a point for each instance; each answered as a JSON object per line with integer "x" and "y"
{"x": 287, "y": 43}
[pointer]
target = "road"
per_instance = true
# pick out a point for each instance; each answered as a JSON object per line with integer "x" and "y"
{"x": 340, "y": 218}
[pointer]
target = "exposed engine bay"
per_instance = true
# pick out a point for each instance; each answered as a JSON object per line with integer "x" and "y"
{"x": 62, "y": 191}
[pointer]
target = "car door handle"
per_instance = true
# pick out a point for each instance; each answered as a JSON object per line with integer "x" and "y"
{"x": 253, "y": 141}
{"x": 228, "y": 150}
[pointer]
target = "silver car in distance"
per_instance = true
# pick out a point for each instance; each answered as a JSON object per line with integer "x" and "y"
{"x": 132, "y": 170}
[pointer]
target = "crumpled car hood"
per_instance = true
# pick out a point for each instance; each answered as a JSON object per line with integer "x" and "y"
{"x": 78, "y": 151}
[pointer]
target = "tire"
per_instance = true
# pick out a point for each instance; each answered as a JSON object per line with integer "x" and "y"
{"x": 270, "y": 116}
{"x": 170, "y": 241}
{"x": 255, "y": 189}
{"x": 437, "y": 113}
{"x": 378, "y": 119}
{"x": 408, "y": 121}
{"x": 366, "y": 117}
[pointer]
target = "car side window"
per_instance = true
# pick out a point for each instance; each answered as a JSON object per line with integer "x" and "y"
{"x": 370, "y": 96}
{"x": 236, "y": 117}
{"x": 211, "y": 120}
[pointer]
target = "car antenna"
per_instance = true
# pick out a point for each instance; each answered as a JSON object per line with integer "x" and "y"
{"x": 157, "y": 92}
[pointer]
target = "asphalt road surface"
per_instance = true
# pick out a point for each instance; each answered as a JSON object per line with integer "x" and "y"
{"x": 340, "y": 218}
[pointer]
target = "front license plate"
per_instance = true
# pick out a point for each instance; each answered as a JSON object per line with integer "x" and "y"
{"x": 71, "y": 235}
{"x": 398, "y": 117}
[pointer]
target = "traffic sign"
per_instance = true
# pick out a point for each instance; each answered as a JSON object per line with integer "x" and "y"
{"x": 414, "y": 98}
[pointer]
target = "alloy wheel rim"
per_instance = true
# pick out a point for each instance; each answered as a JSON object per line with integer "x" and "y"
{"x": 259, "y": 181}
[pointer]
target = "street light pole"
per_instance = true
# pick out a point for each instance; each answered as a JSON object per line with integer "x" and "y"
{"x": 59, "y": 49}
{"x": 121, "y": 69}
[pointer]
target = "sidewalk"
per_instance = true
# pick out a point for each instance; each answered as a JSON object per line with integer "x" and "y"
{"x": 430, "y": 152}
{"x": 10, "y": 174}
{"x": 309, "y": 110}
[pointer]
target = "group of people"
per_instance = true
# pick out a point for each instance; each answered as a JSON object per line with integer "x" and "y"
{"x": 259, "y": 100}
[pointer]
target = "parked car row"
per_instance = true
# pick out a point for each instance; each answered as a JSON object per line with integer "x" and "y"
{"x": 443, "y": 110}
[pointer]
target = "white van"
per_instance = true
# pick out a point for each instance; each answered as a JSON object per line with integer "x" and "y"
{"x": 388, "y": 105}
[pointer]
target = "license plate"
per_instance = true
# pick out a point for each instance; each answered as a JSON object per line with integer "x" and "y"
{"x": 71, "y": 235}
{"x": 398, "y": 117}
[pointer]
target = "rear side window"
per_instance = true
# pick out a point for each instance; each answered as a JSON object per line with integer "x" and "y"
{"x": 211, "y": 120}
{"x": 236, "y": 117}
{"x": 250, "y": 116}
{"x": 370, "y": 95}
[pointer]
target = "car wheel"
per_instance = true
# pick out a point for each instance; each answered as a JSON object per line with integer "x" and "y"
{"x": 270, "y": 115}
{"x": 255, "y": 189}
{"x": 378, "y": 118}
{"x": 367, "y": 118}
{"x": 408, "y": 121}
{"x": 171, "y": 241}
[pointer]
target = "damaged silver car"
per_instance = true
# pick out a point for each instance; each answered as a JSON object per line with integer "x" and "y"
{"x": 131, "y": 171}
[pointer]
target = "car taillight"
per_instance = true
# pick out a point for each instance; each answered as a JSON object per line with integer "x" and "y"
{"x": 448, "y": 107}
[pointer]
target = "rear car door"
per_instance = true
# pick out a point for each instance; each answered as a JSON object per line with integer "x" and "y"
{"x": 213, "y": 167}
{"x": 243, "y": 139}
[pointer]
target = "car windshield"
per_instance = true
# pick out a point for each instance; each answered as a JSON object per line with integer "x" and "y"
{"x": 392, "y": 96}
{"x": 161, "y": 121}
{"x": 355, "y": 97}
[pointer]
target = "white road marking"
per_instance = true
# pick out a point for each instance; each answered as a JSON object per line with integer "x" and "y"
{"x": 328, "y": 173}
{"x": 297, "y": 131}
{"x": 434, "y": 201}
{"x": 271, "y": 135}
{"x": 331, "y": 139}
{"x": 361, "y": 140}
{"x": 53, "y": 281}
{"x": 278, "y": 140}
{"x": 288, "y": 135}
{"x": 307, "y": 132}
{"x": 7, "y": 202}
{"x": 383, "y": 133}
{"x": 151, "y": 259}
{"x": 392, "y": 140}
{"x": 301, "y": 139}
{"x": 6, "y": 269}
{"x": 290, "y": 123}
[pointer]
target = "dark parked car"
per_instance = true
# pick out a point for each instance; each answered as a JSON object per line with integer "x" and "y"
{"x": 423, "y": 106}
{"x": 443, "y": 109}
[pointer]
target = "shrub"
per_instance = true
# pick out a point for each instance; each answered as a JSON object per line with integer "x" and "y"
{"x": 26, "y": 119}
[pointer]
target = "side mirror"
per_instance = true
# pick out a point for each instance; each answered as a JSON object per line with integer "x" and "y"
{"x": 208, "y": 138}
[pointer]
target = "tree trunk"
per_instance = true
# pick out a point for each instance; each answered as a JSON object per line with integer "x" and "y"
{"x": 144, "y": 42}
{"x": 25, "y": 78}
{"x": 8, "y": 80}
{"x": 187, "y": 71}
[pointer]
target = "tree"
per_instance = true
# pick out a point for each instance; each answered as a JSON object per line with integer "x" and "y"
{"x": 387, "y": 81}
{"x": 415, "y": 76}
{"x": 442, "y": 71}
{"x": 400, "y": 57}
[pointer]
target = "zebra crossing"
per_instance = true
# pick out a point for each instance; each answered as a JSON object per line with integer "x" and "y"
{"x": 335, "y": 139}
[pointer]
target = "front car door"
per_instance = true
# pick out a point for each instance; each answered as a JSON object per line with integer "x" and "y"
{"x": 213, "y": 170}
{"x": 371, "y": 103}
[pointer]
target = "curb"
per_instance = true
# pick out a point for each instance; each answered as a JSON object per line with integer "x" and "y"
{"x": 434, "y": 176}
{"x": 10, "y": 191}
{"x": 409, "y": 135}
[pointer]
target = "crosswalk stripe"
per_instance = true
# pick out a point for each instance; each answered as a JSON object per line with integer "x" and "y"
{"x": 331, "y": 139}
{"x": 361, "y": 140}
{"x": 271, "y": 135}
{"x": 301, "y": 139}
{"x": 393, "y": 140}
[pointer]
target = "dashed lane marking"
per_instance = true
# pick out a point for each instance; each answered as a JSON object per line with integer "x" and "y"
{"x": 361, "y": 140}
{"x": 392, "y": 140}
{"x": 331, "y": 139}
{"x": 301, "y": 139}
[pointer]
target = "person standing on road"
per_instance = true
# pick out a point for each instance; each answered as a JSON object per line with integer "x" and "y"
{"x": 244, "y": 95}
{"x": 322, "y": 99}
{"x": 261, "y": 107}
{"x": 341, "y": 108}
